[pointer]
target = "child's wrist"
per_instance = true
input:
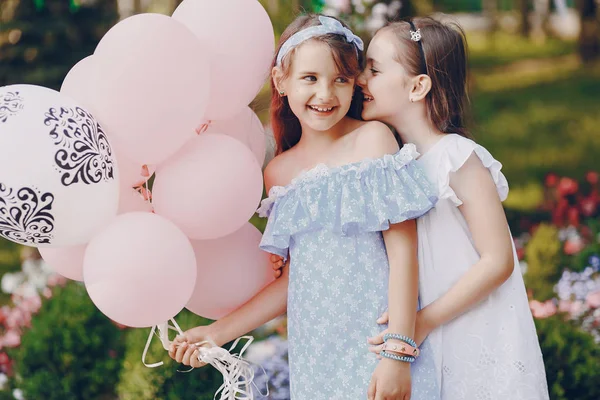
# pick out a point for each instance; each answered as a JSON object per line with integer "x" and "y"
{"x": 215, "y": 334}
{"x": 427, "y": 318}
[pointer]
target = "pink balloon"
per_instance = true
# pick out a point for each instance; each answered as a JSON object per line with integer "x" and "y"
{"x": 233, "y": 270}
{"x": 154, "y": 88}
{"x": 210, "y": 188}
{"x": 247, "y": 128}
{"x": 141, "y": 270}
{"x": 81, "y": 84}
{"x": 239, "y": 37}
{"x": 67, "y": 261}
{"x": 131, "y": 200}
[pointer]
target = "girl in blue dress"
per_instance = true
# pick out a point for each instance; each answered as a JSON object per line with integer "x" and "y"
{"x": 341, "y": 192}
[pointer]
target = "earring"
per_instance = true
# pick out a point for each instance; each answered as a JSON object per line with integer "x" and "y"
{"x": 281, "y": 92}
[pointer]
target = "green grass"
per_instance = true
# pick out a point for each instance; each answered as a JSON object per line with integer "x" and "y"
{"x": 535, "y": 108}
{"x": 552, "y": 125}
{"x": 490, "y": 51}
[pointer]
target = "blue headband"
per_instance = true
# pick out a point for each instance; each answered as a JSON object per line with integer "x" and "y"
{"x": 328, "y": 26}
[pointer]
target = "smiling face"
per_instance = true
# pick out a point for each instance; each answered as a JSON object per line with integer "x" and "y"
{"x": 318, "y": 93}
{"x": 385, "y": 82}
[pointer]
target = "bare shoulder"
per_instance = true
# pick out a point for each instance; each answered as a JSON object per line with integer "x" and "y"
{"x": 374, "y": 139}
{"x": 278, "y": 171}
{"x": 471, "y": 174}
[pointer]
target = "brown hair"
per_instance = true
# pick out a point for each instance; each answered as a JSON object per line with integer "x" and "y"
{"x": 445, "y": 49}
{"x": 286, "y": 126}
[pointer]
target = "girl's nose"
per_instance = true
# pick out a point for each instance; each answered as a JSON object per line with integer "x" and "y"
{"x": 325, "y": 93}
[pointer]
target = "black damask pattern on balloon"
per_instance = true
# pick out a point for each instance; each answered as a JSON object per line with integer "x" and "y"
{"x": 85, "y": 156}
{"x": 26, "y": 215}
{"x": 10, "y": 104}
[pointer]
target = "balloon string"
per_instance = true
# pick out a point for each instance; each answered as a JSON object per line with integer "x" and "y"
{"x": 238, "y": 374}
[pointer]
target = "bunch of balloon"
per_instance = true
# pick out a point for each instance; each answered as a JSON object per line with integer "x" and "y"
{"x": 161, "y": 97}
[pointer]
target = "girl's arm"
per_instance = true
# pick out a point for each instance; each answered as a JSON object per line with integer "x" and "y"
{"x": 391, "y": 378}
{"x": 266, "y": 305}
{"x": 485, "y": 217}
{"x": 271, "y": 302}
{"x": 401, "y": 245}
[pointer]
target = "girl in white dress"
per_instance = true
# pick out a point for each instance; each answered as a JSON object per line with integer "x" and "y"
{"x": 475, "y": 309}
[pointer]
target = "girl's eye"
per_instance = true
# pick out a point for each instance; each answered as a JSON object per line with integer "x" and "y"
{"x": 341, "y": 79}
{"x": 310, "y": 78}
{"x": 374, "y": 71}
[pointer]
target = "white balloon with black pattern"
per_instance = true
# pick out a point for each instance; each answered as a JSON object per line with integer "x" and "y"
{"x": 59, "y": 181}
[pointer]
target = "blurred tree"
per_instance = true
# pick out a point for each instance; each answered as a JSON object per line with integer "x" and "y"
{"x": 490, "y": 10}
{"x": 40, "y": 40}
{"x": 589, "y": 37}
{"x": 524, "y": 7}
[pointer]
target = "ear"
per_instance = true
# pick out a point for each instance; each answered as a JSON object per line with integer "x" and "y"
{"x": 277, "y": 76}
{"x": 421, "y": 86}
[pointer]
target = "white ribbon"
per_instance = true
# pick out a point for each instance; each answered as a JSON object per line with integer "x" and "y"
{"x": 163, "y": 335}
{"x": 238, "y": 375}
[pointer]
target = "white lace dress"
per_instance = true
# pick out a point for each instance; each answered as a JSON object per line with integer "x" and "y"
{"x": 492, "y": 351}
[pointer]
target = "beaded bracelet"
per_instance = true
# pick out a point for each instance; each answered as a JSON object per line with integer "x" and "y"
{"x": 391, "y": 356}
{"x": 402, "y": 338}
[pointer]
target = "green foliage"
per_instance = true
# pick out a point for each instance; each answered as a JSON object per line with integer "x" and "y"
{"x": 6, "y": 395}
{"x": 72, "y": 351}
{"x": 572, "y": 360}
{"x": 10, "y": 261}
{"x": 137, "y": 382}
{"x": 41, "y": 40}
{"x": 543, "y": 256}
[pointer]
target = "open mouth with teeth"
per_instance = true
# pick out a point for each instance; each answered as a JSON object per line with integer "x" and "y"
{"x": 321, "y": 109}
{"x": 367, "y": 98}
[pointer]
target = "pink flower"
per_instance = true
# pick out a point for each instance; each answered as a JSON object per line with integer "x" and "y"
{"x": 542, "y": 310}
{"x": 573, "y": 216}
{"x": 573, "y": 246}
{"x": 56, "y": 280}
{"x": 47, "y": 293}
{"x": 576, "y": 307}
{"x": 551, "y": 180}
{"x": 588, "y": 206}
{"x": 564, "y": 306}
{"x": 15, "y": 319}
{"x": 593, "y": 300}
{"x": 567, "y": 186}
{"x": 32, "y": 304}
{"x": 11, "y": 339}
{"x": 592, "y": 177}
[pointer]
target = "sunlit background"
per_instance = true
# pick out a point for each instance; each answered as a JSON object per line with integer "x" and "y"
{"x": 534, "y": 90}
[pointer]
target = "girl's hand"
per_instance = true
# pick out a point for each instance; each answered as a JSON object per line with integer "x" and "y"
{"x": 277, "y": 263}
{"x": 184, "y": 350}
{"x": 390, "y": 381}
{"x": 422, "y": 330}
